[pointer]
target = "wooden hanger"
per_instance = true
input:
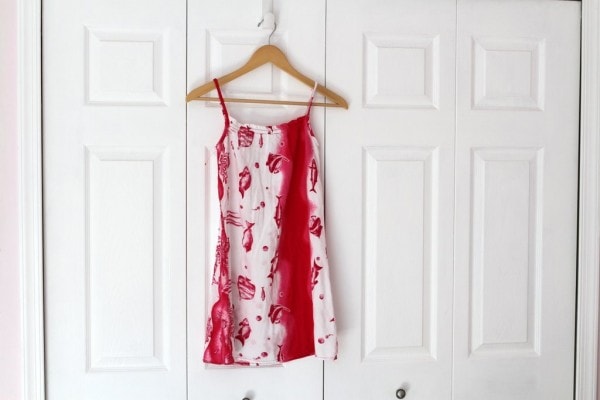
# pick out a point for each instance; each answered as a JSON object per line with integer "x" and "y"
{"x": 267, "y": 54}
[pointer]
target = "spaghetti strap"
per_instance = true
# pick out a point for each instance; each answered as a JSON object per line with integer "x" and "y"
{"x": 223, "y": 107}
{"x": 312, "y": 97}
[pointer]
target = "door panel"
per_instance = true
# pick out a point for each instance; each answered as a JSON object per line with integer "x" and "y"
{"x": 221, "y": 40}
{"x": 516, "y": 199}
{"x": 390, "y": 174}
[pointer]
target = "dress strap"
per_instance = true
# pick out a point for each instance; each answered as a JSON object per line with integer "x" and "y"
{"x": 223, "y": 107}
{"x": 312, "y": 97}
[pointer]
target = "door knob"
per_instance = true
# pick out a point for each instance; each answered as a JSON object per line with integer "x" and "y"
{"x": 400, "y": 393}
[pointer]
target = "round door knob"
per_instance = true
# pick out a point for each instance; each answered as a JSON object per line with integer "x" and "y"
{"x": 400, "y": 393}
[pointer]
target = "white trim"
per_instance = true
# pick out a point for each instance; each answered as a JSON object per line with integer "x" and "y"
{"x": 31, "y": 203}
{"x": 30, "y": 195}
{"x": 586, "y": 377}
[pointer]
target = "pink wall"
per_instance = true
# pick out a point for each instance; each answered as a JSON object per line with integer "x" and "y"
{"x": 10, "y": 288}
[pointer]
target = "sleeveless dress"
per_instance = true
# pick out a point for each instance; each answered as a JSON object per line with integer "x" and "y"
{"x": 270, "y": 299}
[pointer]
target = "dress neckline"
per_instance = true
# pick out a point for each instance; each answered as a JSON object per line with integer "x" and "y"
{"x": 234, "y": 122}
{"x": 231, "y": 121}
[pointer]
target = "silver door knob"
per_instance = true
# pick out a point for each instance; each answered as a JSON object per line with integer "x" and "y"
{"x": 400, "y": 393}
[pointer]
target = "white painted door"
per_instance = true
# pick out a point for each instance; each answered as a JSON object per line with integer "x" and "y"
{"x": 417, "y": 190}
{"x": 516, "y": 199}
{"x": 222, "y": 35}
{"x": 390, "y": 197}
{"x": 114, "y": 199}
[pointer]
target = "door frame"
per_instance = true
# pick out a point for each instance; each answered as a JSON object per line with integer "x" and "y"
{"x": 29, "y": 133}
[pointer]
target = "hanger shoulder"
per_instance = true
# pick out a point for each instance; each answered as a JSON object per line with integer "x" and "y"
{"x": 336, "y": 98}
{"x": 260, "y": 57}
{"x": 200, "y": 91}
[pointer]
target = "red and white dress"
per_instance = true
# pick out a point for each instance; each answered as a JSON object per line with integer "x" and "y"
{"x": 270, "y": 296}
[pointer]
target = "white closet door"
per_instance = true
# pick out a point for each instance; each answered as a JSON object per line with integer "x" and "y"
{"x": 390, "y": 182}
{"x": 390, "y": 197}
{"x": 451, "y": 224}
{"x": 221, "y": 37}
{"x": 516, "y": 199}
{"x": 114, "y": 199}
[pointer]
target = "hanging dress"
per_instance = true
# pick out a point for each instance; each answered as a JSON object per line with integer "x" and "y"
{"x": 270, "y": 299}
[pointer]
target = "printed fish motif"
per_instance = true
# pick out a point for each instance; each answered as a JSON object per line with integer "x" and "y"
{"x": 219, "y": 345}
{"x": 260, "y": 141}
{"x": 314, "y": 175}
{"x": 245, "y": 136}
{"x": 244, "y": 331}
{"x": 247, "y": 238}
{"x": 278, "y": 212}
{"x": 262, "y": 294}
{"x": 246, "y": 288}
{"x": 274, "y": 162}
{"x": 245, "y": 180}
{"x": 315, "y": 227}
{"x": 315, "y": 274}
{"x": 276, "y": 311}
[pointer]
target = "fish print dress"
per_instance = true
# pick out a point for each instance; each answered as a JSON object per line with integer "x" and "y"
{"x": 270, "y": 298}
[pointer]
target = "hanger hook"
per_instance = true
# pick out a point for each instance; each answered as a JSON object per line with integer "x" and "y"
{"x": 272, "y": 32}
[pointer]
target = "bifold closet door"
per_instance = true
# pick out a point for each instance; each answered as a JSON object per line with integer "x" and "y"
{"x": 114, "y": 199}
{"x": 221, "y": 37}
{"x": 451, "y": 194}
{"x": 420, "y": 188}
{"x": 390, "y": 197}
{"x": 516, "y": 199}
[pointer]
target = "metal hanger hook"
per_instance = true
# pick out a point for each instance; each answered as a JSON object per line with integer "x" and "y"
{"x": 273, "y": 31}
